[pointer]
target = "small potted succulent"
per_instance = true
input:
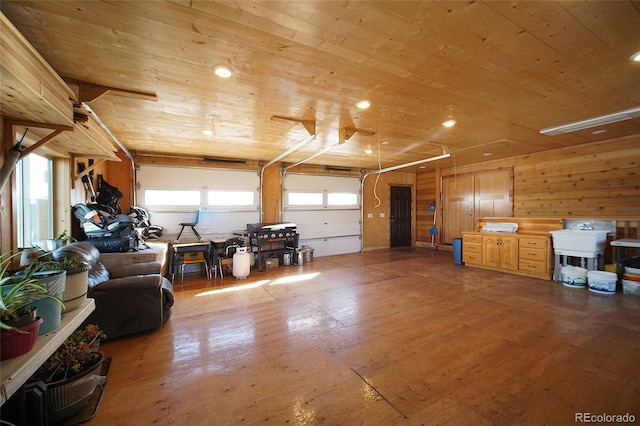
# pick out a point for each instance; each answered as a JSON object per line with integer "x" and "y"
{"x": 19, "y": 324}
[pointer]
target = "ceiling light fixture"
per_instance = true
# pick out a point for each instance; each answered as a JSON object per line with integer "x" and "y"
{"x": 635, "y": 57}
{"x": 449, "y": 123}
{"x": 223, "y": 71}
{"x": 626, "y": 114}
{"x": 363, "y": 104}
{"x": 368, "y": 151}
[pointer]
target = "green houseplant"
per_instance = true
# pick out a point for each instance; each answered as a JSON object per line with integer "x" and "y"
{"x": 54, "y": 281}
{"x": 18, "y": 322}
{"x": 58, "y": 241}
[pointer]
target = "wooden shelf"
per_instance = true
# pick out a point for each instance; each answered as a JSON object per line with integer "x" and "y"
{"x": 16, "y": 371}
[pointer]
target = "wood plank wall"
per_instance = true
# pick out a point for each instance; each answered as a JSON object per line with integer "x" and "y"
{"x": 271, "y": 195}
{"x": 594, "y": 180}
{"x": 426, "y": 192}
{"x": 599, "y": 180}
{"x": 376, "y": 230}
{"x": 5, "y": 197}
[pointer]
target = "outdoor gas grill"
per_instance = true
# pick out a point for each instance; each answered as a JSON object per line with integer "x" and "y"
{"x": 272, "y": 241}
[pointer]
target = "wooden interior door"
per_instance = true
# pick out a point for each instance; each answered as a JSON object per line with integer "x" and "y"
{"x": 400, "y": 216}
{"x": 457, "y": 206}
{"x": 474, "y": 195}
{"x": 493, "y": 193}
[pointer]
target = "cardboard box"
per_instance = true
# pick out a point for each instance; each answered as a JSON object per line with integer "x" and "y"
{"x": 271, "y": 263}
{"x": 153, "y": 254}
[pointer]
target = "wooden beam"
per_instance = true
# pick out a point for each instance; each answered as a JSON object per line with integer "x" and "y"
{"x": 89, "y": 92}
{"x": 28, "y": 123}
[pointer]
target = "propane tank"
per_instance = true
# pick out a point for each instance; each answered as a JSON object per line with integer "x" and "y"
{"x": 241, "y": 263}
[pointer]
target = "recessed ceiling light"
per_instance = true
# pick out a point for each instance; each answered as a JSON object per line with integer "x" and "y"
{"x": 599, "y": 132}
{"x": 223, "y": 71}
{"x": 207, "y": 132}
{"x": 487, "y": 154}
{"x": 368, "y": 151}
{"x": 449, "y": 123}
{"x": 386, "y": 143}
{"x": 363, "y": 104}
{"x": 635, "y": 57}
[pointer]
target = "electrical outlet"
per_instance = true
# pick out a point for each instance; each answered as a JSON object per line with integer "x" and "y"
{"x": 381, "y": 214}
{"x": 369, "y": 215}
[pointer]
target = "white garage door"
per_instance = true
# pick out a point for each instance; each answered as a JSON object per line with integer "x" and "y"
{"x": 228, "y": 199}
{"x": 326, "y": 210}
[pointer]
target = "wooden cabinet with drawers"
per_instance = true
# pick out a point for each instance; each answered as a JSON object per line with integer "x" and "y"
{"x": 472, "y": 248}
{"x": 500, "y": 251}
{"x": 523, "y": 254}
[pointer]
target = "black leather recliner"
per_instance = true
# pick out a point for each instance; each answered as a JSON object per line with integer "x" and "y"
{"x": 129, "y": 299}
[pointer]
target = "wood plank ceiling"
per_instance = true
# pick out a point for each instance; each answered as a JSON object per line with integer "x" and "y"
{"x": 503, "y": 70}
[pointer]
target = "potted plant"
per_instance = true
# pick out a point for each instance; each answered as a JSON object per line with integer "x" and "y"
{"x": 19, "y": 324}
{"x": 76, "y": 285}
{"x": 65, "y": 238}
{"x": 54, "y": 281}
{"x": 72, "y": 372}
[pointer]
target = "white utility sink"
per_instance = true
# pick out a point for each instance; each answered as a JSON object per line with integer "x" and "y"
{"x": 579, "y": 243}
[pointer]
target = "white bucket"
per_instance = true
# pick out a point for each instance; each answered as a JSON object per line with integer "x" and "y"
{"x": 602, "y": 282}
{"x": 574, "y": 276}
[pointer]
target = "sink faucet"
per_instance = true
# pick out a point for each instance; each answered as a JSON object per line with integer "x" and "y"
{"x": 586, "y": 227}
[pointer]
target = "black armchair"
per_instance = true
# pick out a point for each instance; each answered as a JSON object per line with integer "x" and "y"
{"x": 129, "y": 299}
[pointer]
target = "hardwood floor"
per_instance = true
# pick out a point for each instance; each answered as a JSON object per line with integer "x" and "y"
{"x": 390, "y": 337}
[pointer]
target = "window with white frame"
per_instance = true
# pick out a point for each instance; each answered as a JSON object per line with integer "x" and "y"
{"x": 325, "y": 199}
{"x": 34, "y": 200}
{"x": 305, "y": 198}
{"x": 342, "y": 199}
{"x": 171, "y": 197}
{"x": 231, "y": 198}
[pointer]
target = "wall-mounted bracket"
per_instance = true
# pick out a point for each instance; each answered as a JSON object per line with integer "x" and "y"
{"x": 348, "y": 132}
{"x": 57, "y": 129}
{"x": 89, "y": 92}
{"x": 310, "y": 125}
{"x": 75, "y": 174}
